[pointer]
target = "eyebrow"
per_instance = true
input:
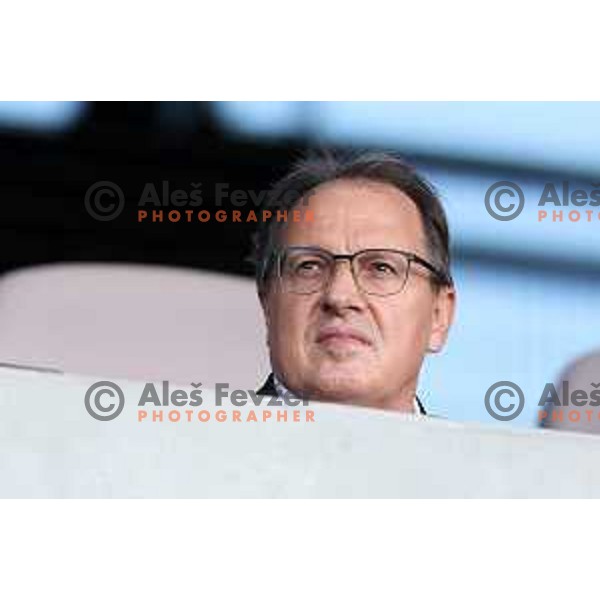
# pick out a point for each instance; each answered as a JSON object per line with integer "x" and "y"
{"x": 335, "y": 252}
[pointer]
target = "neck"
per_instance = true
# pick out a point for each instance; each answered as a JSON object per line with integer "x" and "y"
{"x": 405, "y": 402}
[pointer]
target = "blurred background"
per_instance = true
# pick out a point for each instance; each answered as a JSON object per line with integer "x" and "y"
{"x": 527, "y": 290}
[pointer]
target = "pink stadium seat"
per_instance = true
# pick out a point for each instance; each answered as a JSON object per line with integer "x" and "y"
{"x": 132, "y": 321}
{"x": 581, "y": 374}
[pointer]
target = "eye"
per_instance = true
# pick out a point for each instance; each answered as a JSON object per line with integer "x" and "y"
{"x": 380, "y": 267}
{"x": 307, "y": 267}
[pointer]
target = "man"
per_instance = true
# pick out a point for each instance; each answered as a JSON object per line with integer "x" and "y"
{"x": 356, "y": 295}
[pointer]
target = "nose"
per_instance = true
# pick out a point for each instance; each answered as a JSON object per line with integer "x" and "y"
{"x": 341, "y": 292}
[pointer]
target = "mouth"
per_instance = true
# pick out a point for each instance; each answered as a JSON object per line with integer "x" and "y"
{"x": 342, "y": 337}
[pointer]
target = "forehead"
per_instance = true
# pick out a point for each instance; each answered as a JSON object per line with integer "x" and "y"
{"x": 351, "y": 214}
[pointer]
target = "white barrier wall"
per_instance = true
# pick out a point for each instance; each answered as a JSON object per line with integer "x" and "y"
{"x": 50, "y": 446}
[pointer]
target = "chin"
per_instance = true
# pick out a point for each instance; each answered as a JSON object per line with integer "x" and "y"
{"x": 342, "y": 385}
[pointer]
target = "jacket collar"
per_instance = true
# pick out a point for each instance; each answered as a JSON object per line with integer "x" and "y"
{"x": 268, "y": 389}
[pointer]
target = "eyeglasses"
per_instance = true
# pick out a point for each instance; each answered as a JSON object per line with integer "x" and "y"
{"x": 381, "y": 272}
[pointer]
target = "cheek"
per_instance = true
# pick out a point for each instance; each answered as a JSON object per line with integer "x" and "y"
{"x": 404, "y": 328}
{"x": 289, "y": 322}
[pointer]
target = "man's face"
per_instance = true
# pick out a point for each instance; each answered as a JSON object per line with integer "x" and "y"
{"x": 343, "y": 345}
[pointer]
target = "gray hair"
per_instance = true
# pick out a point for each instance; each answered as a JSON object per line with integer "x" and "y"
{"x": 313, "y": 171}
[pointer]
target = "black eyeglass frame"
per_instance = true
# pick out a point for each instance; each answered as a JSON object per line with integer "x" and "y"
{"x": 441, "y": 277}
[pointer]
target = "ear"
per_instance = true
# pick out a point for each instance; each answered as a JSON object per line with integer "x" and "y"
{"x": 444, "y": 305}
{"x": 263, "y": 298}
